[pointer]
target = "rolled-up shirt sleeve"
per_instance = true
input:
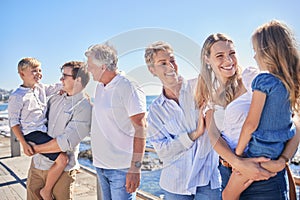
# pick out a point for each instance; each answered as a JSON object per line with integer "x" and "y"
{"x": 77, "y": 128}
{"x": 168, "y": 146}
{"x": 14, "y": 110}
{"x": 52, "y": 89}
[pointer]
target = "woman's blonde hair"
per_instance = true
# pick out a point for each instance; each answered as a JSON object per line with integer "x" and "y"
{"x": 207, "y": 81}
{"x": 276, "y": 51}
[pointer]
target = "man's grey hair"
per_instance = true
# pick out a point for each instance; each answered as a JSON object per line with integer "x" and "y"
{"x": 103, "y": 54}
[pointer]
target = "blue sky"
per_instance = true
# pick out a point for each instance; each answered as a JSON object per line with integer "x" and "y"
{"x": 58, "y": 31}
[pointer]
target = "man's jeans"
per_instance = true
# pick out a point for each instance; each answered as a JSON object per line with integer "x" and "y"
{"x": 112, "y": 183}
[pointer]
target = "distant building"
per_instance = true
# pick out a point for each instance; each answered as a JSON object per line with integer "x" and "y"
{"x": 4, "y": 94}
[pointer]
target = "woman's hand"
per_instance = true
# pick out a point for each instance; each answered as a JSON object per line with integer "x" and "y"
{"x": 252, "y": 169}
{"x": 274, "y": 165}
{"x": 200, "y": 126}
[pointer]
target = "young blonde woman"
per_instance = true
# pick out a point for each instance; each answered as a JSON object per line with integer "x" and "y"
{"x": 227, "y": 91}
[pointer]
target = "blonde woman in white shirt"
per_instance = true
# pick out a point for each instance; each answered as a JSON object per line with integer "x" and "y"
{"x": 227, "y": 90}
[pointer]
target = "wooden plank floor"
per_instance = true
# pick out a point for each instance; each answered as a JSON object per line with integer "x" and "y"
{"x": 13, "y": 177}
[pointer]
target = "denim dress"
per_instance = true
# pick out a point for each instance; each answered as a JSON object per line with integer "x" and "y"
{"x": 275, "y": 127}
{"x": 275, "y": 115}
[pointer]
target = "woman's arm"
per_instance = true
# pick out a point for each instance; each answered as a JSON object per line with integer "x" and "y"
{"x": 252, "y": 121}
{"x": 249, "y": 167}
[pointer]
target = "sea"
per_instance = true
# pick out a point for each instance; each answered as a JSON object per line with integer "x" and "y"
{"x": 4, "y": 128}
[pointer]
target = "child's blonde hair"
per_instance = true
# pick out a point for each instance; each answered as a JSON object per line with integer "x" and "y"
{"x": 28, "y": 62}
{"x": 276, "y": 50}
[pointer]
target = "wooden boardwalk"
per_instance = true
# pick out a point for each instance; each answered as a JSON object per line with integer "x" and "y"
{"x": 13, "y": 177}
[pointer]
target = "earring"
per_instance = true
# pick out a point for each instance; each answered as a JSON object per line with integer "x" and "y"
{"x": 208, "y": 66}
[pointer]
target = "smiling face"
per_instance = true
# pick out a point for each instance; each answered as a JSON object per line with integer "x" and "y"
{"x": 165, "y": 67}
{"x": 222, "y": 60}
{"x": 67, "y": 80}
{"x": 31, "y": 76}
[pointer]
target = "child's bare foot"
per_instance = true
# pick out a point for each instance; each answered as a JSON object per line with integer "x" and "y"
{"x": 46, "y": 195}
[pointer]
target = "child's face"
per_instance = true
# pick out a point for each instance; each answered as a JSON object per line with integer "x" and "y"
{"x": 31, "y": 76}
{"x": 257, "y": 58}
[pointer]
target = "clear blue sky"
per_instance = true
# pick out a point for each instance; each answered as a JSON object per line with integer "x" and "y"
{"x": 57, "y": 31}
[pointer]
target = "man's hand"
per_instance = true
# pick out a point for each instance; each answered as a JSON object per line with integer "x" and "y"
{"x": 27, "y": 149}
{"x": 251, "y": 168}
{"x": 132, "y": 180}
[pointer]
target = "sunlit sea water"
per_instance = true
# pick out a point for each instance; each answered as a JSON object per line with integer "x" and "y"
{"x": 3, "y": 106}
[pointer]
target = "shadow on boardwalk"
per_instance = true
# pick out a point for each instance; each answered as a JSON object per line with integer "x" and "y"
{"x": 13, "y": 176}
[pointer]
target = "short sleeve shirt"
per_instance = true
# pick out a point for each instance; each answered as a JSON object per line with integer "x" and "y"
{"x": 276, "y": 114}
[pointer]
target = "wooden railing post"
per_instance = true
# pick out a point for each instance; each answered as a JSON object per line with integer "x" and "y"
{"x": 14, "y": 145}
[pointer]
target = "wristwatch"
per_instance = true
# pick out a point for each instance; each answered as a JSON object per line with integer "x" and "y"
{"x": 138, "y": 164}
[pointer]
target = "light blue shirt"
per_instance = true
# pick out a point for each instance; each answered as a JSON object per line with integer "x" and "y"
{"x": 69, "y": 121}
{"x": 187, "y": 164}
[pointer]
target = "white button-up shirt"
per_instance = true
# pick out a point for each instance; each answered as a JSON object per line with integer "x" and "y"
{"x": 27, "y": 107}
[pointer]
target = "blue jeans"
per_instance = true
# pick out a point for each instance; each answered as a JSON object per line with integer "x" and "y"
{"x": 112, "y": 183}
{"x": 273, "y": 188}
{"x": 202, "y": 193}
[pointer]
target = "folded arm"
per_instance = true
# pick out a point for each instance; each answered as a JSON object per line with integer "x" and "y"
{"x": 75, "y": 131}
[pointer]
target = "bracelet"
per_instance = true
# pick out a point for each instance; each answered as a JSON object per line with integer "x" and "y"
{"x": 284, "y": 157}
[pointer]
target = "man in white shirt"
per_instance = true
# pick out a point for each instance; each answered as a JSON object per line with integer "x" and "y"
{"x": 118, "y": 126}
{"x": 177, "y": 132}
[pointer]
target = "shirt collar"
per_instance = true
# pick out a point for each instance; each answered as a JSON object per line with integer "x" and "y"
{"x": 27, "y": 88}
{"x": 24, "y": 88}
{"x": 75, "y": 97}
{"x": 112, "y": 82}
{"x": 162, "y": 98}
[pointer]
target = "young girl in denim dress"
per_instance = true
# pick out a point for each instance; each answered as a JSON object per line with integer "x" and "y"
{"x": 276, "y": 91}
